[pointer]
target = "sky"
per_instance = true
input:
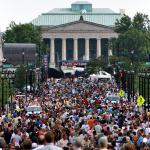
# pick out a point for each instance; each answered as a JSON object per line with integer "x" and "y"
{"x": 24, "y": 11}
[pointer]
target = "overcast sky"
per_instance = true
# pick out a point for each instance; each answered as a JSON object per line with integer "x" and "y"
{"x": 23, "y": 11}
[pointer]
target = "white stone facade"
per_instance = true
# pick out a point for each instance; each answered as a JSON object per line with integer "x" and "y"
{"x": 76, "y": 30}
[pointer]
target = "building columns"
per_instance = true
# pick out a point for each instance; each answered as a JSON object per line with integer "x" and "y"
{"x": 109, "y": 49}
{"x": 98, "y": 54}
{"x": 75, "y": 52}
{"x": 87, "y": 53}
{"x": 63, "y": 49}
{"x": 52, "y": 54}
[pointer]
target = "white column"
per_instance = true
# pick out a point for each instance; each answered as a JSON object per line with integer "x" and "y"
{"x": 52, "y": 54}
{"x": 75, "y": 52}
{"x": 63, "y": 49}
{"x": 87, "y": 53}
{"x": 98, "y": 48}
{"x": 109, "y": 48}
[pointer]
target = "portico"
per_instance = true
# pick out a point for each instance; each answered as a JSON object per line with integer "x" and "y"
{"x": 87, "y": 31}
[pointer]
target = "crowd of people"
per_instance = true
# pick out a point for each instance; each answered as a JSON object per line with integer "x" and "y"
{"x": 76, "y": 115}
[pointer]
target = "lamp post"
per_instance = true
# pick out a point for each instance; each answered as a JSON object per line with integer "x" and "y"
{"x": 30, "y": 79}
{"x": 37, "y": 78}
{"x": 130, "y": 85}
{"x": 26, "y": 78}
{"x": 132, "y": 58}
{"x": 36, "y": 55}
{"x": 23, "y": 53}
{"x": 148, "y": 91}
{"x": 11, "y": 76}
{"x": 2, "y": 80}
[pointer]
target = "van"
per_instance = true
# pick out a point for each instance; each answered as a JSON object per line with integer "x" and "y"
{"x": 113, "y": 98}
{"x": 34, "y": 109}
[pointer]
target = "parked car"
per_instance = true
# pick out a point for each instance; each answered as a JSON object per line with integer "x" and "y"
{"x": 101, "y": 75}
{"x": 113, "y": 98}
{"x": 34, "y": 109}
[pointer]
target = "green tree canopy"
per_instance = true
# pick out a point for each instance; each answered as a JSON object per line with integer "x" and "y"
{"x": 134, "y": 36}
{"x": 141, "y": 22}
{"x": 123, "y": 24}
{"x": 20, "y": 77}
{"x": 23, "y": 33}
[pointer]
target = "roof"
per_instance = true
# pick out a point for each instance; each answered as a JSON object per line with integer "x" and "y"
{"x": 57, "y": 16}
{"x": 81, "y": 2}
{"x": 57, "y": 19}
{"x": 69, "y": 11}
{"x": 19, "y": 45}
{"x": 76, "y": 22}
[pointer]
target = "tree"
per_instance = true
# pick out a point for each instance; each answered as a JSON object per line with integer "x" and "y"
{"x": 20, "y": 77}
{"x": 23, "y": 33}
{"x": 6, "y": 90}
{"x": 133, "y": 40}
{"x": 141, "y": 22}
{"x": 123, "y": 24}
{"x": 94, "y": 66}
{"x": 134, "y": 36}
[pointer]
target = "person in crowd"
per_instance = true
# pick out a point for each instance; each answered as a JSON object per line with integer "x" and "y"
{"x": 49, "y": 139}
{"x": 27, "y": 145}
{"x": 41, "y": 142}
{"x": 103, "y": 143}
{"x": 75, "y": 114}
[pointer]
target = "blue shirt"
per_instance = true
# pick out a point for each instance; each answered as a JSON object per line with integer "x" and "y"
{"x": 140, "y": 140}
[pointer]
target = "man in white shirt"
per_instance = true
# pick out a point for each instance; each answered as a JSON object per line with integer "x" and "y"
{"x": 147, "y": 130}
{"x": 85, "y": 127}
{"x": 49, "y": 138}
{"x": 41, "y": 142}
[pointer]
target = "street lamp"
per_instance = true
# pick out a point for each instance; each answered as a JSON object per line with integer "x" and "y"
{"x": 132, "y": 53}
{"x": 37, "y": 78}
{"x": 36, "y": 55}
{"x": 26, "y": 83}
{"x": 130, "y": 85}
{"x": 11, "y": 75}
{"x": 2, "y": 80}
{"x": 23, "y": 53}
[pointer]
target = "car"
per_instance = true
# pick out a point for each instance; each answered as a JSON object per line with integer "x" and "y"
{"x": 100, "y": 75}
{"x": 36, "y": 109}
{"x": 113, "y": 98}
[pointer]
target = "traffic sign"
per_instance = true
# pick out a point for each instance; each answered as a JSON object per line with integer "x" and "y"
{"x": 140, "y": 100}
{"x": 121, "y": 93}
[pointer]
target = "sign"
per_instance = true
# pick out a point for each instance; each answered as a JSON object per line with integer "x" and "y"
{"x": 121, "y": 93}
{"x": 140, "y": 100}
{"x": 71, "y": 63}
{"x": 45, "y": 62}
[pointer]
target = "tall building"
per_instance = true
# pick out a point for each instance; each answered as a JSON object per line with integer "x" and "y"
{"x": 80, "y": 32}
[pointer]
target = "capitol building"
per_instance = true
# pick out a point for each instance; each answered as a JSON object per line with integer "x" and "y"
{"x": 78, "y": 33}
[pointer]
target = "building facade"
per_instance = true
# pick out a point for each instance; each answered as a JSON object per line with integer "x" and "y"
{"x": 77, "y": 33}
{"x": 19, "y": 53}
